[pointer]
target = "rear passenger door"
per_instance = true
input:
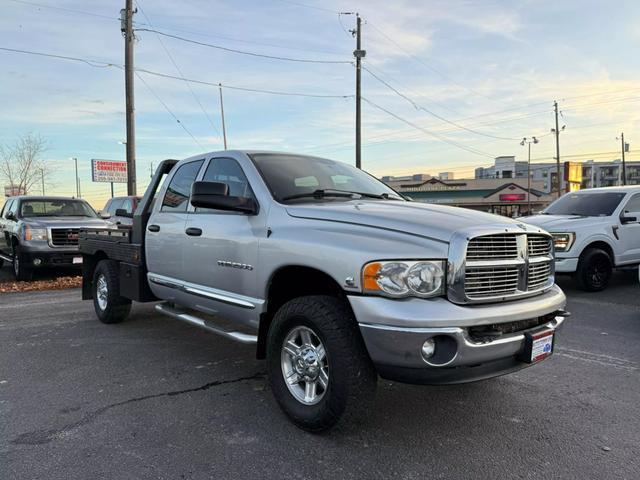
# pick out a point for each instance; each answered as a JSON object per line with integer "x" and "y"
{"x": 166, "y": 227}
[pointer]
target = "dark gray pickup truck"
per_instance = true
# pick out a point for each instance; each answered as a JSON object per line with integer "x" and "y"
{"x": 37, "y": 232}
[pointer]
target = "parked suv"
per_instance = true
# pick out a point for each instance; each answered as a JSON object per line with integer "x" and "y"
{"x": 332, "y": 275}
{"x": 594, "y": 231}
{"x": 40, "y": 232}
{"x": 119, "y": 210}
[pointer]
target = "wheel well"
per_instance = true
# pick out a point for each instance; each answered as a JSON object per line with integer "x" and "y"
{"x": 602, "y": 246}
{"x": 89, "y": 263}
{"x": 289, "y": 283}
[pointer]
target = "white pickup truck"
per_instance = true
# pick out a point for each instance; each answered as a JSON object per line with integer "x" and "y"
{"x": 594, "y": 231}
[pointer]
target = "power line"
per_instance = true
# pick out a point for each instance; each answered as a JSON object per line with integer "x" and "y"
{"x": 64, "y": 9}
{"x": 428, "y": 132}
{"x": 168, "y": 109}
{"x": 193, "y": 94}
{"x": 424, "y": 64}
{"x": 102, "y": 64}
{"x": 439, "y": 117}
{"x": 299, "y": 4}
{"x": 241, "y": 52}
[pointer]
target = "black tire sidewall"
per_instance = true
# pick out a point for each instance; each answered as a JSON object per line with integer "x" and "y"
{"x": 22, "y": 274}
{"x": 338, "y": 332}
{"x": 117, "y": 307}
{"x": 586, "y": 260}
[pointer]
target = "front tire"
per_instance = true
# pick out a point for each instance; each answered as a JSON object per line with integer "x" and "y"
{"x": 319, "y": 369}
{"x": 20, "y": 271}
{"x": 110, "y": 307}
{"x": 594, "y": 270}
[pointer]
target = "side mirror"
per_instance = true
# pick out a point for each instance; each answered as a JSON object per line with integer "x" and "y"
{"x": 11, "y": 216}
{"x": 216, "y": 195}
{"x": 121, "y": 212}
{"x": 104, "y": 214}
{"x": 626, "y": 219}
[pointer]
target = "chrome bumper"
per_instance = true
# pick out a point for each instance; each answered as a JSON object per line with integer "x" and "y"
{"x": 395, "y": 344}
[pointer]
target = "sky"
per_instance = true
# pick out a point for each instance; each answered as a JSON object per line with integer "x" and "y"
{"x": 447, "y": 86}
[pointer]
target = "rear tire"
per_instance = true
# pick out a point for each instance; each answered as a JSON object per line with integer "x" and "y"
{"x": 20, "y": 271}
{"x": 595, "y": 268}
{"x": 110, "y": 307}
{"x": 325, "y": 348}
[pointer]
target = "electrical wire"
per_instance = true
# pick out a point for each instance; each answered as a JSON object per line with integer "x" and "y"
{"x": 193, "y": 94}
{"x": 64, "y": 9}
{"x": 241, "y": 52}
{"x": 428, "y": 132}
{"x": 166, "y": 107}
{"x": 299, "y": 4}
{"x": 102, "y": 64}
{"x": 433, "y": 114}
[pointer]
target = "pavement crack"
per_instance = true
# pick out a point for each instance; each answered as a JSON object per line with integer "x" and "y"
{"x": 39, "y": 437}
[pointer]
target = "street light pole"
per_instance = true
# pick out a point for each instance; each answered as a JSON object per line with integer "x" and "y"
{"x": 529, "y": 141}
{"x": 75, "y": 160}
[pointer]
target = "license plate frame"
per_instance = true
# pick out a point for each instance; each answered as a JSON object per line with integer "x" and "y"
{"x": 538, "y": 346}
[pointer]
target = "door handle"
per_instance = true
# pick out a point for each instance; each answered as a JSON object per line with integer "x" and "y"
{"x": 153, "y": 228}
{"x": 193, "y": 232}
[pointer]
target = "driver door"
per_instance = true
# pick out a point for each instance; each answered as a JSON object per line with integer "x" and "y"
{"x": 629, "y": 232}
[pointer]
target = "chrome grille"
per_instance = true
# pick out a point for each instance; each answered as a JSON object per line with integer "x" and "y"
{"x": 505, "y": 265}
{"x": 538, "y": 245}
{"x": 492, "y": 247}
{"x": 64, "y": 237}
{"x": 481, "y": 282}
{"x": 538, "y": 275}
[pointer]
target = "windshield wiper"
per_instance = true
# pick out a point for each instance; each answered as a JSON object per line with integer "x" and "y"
{"x": 331, "y": 192}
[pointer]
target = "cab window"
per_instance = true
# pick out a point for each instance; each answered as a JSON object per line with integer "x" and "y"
{"x": 176, "y": 198}
{"x": 229, "y": 171}
{"x": 633, "y": 205}
{"x": 127, "y": 204}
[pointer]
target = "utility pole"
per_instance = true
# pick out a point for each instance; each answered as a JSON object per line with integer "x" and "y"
{"x": 42, "y": 177}
{"x": 359, "y": 54}
{"x": 77, "y": 179}
{"x": 557, "y": 132}
{"x": 126, "y": 26}
{"x": 224, "y": 129}
{"x": 624, "y": 165}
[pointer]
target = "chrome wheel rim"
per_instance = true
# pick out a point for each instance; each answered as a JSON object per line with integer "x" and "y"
{"x": 305, "y": 366}
{"x": 101, "y": 292}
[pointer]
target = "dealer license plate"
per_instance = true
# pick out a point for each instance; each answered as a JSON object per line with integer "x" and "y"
{"x": 541, "y": 346}
{"x": 77, "y": 260}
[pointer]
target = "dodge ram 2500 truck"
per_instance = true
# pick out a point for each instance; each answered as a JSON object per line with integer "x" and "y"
{"x": 334, "y": 276}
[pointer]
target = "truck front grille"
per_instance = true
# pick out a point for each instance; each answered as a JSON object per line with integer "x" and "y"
{"x": 506, "y": 265}
{"x": 64, "y": 237}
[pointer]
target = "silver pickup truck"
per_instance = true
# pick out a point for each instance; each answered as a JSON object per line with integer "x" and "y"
{"x": 334, "y": 276}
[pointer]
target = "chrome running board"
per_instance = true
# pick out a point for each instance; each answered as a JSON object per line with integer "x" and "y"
{"x": 6, "y": 258}
{"x": 205, "y": 324}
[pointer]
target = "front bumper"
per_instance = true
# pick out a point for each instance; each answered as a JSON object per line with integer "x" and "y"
{"x": 394, "y": 332}
{"x": 40, "y": 257}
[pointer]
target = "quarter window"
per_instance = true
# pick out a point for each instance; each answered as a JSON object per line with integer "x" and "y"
{"x": 176, "y": 199}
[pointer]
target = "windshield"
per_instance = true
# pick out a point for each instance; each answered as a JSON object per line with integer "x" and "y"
{"x": 56, "y": 208}
{"x": 586, "y": 204}
{"x": 303, "y": 178}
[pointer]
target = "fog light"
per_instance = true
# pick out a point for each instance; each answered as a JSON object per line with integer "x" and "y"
{"x": 37, "y": 261}
{"x": 428, "y": 348}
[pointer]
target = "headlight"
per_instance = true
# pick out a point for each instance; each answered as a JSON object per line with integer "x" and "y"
{"x": 562, "y": 241}
{"x": 35, "y": 234}
{"x": 398, "y": 278}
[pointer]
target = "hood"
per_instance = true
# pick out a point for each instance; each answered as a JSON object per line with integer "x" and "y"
{"x": 557, "y": 223}
{"x": 65, "y": 222}
{"x": 430, "y": 221}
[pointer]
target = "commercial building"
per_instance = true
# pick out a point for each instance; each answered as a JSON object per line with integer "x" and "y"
{"x": 494, "y": 195}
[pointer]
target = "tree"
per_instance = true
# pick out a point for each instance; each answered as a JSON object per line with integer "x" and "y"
{"x": 21, "y": 164}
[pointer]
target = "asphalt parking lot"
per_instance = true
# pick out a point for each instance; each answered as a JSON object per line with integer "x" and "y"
{"x": 153, "y": 398}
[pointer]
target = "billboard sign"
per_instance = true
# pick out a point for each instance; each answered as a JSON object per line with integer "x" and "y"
{"x": 14, "y": 190}
{"x": 512, "y": 197}
{"x": 109, "y": 171}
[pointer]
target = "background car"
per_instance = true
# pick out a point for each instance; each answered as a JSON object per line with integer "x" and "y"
{"x": 37, "y": 232}
{"x": 120, "y": 210}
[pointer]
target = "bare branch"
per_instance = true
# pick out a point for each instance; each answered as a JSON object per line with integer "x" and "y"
{"x": 21, "y": 164}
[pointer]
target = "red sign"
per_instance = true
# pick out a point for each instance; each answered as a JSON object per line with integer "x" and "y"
{"x": 512, "y": 197}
